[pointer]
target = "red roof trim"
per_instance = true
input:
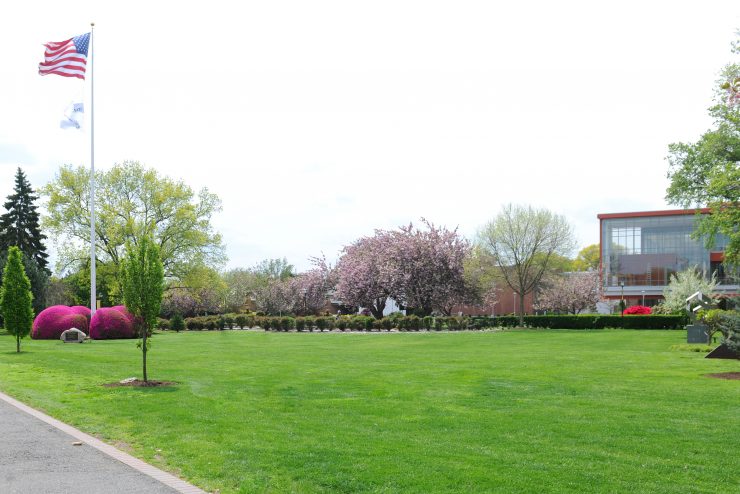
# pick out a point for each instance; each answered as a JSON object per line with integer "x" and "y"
{"x": 646, "y": 214}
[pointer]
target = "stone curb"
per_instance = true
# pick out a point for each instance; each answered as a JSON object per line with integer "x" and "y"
{"x": 138, "y": 465}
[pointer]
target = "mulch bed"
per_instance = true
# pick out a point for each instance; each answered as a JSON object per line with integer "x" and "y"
{"x": 140, "y": 384}
{"x": 726, "y": 375}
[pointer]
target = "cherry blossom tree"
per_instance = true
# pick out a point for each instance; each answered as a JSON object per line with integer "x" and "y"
{"x": 359, "y": 280}
{"x": 419, "y": 268}
{"x": 571, "y": 292}
{"x": 309, "y": 291}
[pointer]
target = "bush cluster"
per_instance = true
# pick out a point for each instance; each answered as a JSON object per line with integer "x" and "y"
{"x": 415, "y": 323}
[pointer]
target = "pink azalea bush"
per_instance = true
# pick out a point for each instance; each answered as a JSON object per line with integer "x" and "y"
{"x": 81, "y": 309}
{"x": 53, "y": 321}
{"x": 638, "y": 310}
{"x": 110, "y": 323}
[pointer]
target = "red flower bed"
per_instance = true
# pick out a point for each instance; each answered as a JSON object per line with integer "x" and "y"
{"x": 53, "y": 321}
{"x": 109, "y": 323}
{"x": 638, "y": 310}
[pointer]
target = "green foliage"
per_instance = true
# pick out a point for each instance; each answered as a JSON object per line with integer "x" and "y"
{"x": 38, "y": 277}
{"x": 585, "y": 321}
{"x": 19, "y": 225}
{"x": 176, "y": 322}
{"x": 133, "y": 202}
{"x": 525, "y": 243}
{"x": 241, "y": 321}
{"x": 725, "y": 321}
{"x": 687, "y": 347}
{"x": 142, "y": 277}
{"x": 588, "y": 258}
{"x": 706, "y": 173}
{"x": 16, "y": 298}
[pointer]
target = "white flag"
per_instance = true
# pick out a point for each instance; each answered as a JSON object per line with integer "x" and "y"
{"x": 73, "y": 116}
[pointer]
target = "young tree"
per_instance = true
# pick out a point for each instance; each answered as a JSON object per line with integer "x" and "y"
{"x": 142, "y": 278}
{"x": 176, "y": 323}
{"x": 16, "y": 298}
{"x": 522, "y": 241}
{"x": 707, "y": 172}
{"x": 571, "y": 293}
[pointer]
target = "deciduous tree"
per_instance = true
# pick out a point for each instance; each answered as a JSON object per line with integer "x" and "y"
{"x": 421, "y": 268}
{"x": 16, "y": 298}
{"x": 571, "y": 293}
{"x": 707, "y": 172}
{"x": 522, "y": 241}
{"x": 681, "y": 286}
{"x": 588, "y": 258}
{"x": 142, "y": 278}
{"x": 133, "y": 202}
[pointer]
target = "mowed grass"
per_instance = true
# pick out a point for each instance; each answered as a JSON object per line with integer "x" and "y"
{"x": 515, "y": 411}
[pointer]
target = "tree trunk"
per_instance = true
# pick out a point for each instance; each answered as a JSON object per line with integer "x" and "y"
{"x": 521, "y": 309}
{"x": 143, "y": 352}
{"x": 18, "y": 343}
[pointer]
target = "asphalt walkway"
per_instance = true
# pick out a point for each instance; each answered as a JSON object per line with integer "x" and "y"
{"x": 38, "y": 456}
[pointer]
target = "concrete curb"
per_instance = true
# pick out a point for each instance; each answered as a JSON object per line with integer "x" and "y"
{"x": 138, "y": 465}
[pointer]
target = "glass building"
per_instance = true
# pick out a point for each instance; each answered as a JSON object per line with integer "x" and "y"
{"x": 640, "y": 252}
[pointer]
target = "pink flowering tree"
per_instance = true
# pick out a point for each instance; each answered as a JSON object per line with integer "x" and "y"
{"x": 275, "y": 297}
{"x": 571, "y": 293}
{"x": 309, "y": 291}
{"x": 419, "y": 268}
{"x": 359, "y": 280}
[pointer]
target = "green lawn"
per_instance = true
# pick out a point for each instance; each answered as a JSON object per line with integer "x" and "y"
{"x": 516, "y": 411}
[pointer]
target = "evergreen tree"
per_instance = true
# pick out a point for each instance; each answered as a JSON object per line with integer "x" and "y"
{"x": 19, "y": 226}
{"x": 15, "y": 297}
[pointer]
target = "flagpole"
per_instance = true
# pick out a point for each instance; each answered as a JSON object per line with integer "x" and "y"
{"x": 93, "y": 295}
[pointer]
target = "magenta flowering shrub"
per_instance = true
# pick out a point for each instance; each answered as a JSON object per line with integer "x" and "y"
{"x": 638, "y": 310}
{"x": 110, "y": 323}
{"x": 81, "y": 309}
{"x": 136, "y": 322}
{"x": 53, "y": 321}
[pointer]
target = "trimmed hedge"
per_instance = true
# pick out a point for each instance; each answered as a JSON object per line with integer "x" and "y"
{"x": 415, "y": 323}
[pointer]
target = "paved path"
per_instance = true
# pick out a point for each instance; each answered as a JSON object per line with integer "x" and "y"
{"x": 37, "y": 456}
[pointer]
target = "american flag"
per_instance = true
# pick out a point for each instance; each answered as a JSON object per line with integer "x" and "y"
{"x": 66, "y": 58}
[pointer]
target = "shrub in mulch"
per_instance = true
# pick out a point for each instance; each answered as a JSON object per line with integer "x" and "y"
{"x": 53, "y": 321}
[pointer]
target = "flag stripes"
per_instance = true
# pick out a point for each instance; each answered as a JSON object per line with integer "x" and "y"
{"x": 66, "y": 58}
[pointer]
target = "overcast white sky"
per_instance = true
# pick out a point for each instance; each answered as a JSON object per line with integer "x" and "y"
{"x": 317, "y": 122}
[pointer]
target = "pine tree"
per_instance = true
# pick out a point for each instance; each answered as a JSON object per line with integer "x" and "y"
{"x": 16, "y": 297}
{"x": 19, "y": 226}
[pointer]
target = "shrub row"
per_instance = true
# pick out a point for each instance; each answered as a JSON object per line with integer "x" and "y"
{"x": 415, "y": 323}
